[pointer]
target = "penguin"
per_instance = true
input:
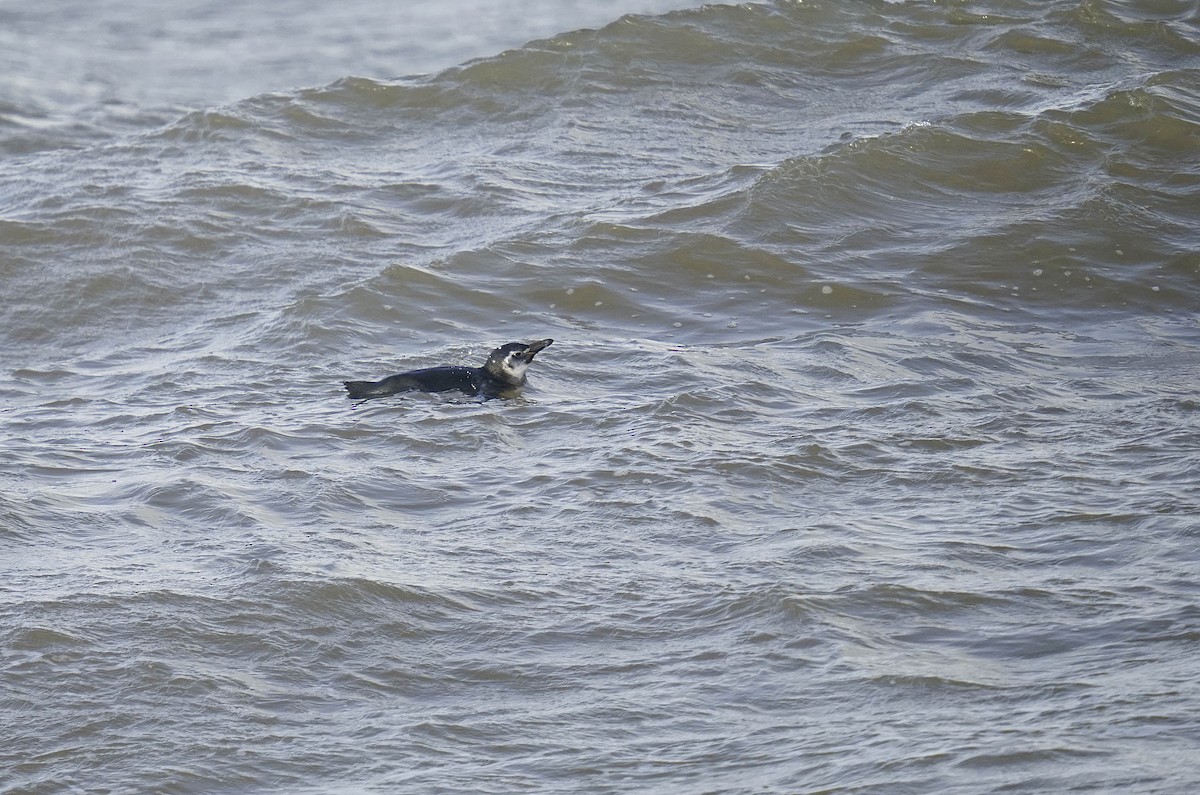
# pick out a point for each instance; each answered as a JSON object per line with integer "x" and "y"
{"x": 502, "y": 375}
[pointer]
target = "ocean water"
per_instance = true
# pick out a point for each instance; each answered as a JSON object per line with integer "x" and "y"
{"x": 864, "y": 461}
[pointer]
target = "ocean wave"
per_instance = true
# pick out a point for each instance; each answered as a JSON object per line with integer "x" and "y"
{"x": 872, "y": 397}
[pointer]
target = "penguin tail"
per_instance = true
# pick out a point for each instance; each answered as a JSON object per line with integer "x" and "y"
{"x": 358, "y": 390}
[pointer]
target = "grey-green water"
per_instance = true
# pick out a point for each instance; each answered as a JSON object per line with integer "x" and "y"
{"x": 864, "y": 460}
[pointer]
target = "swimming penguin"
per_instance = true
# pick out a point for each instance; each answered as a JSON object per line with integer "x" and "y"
{"x": 501, "y": 376}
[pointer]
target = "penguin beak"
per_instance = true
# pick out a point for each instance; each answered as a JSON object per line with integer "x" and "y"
{"x": 532, "y": 348}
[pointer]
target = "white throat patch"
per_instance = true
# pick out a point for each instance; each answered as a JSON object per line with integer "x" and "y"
{"x": 514, "y": 366}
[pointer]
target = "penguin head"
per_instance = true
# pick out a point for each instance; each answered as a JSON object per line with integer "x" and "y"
{"x": 509, "y": 362}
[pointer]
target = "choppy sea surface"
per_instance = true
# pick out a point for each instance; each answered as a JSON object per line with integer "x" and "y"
{"x": 866, "y": 458}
